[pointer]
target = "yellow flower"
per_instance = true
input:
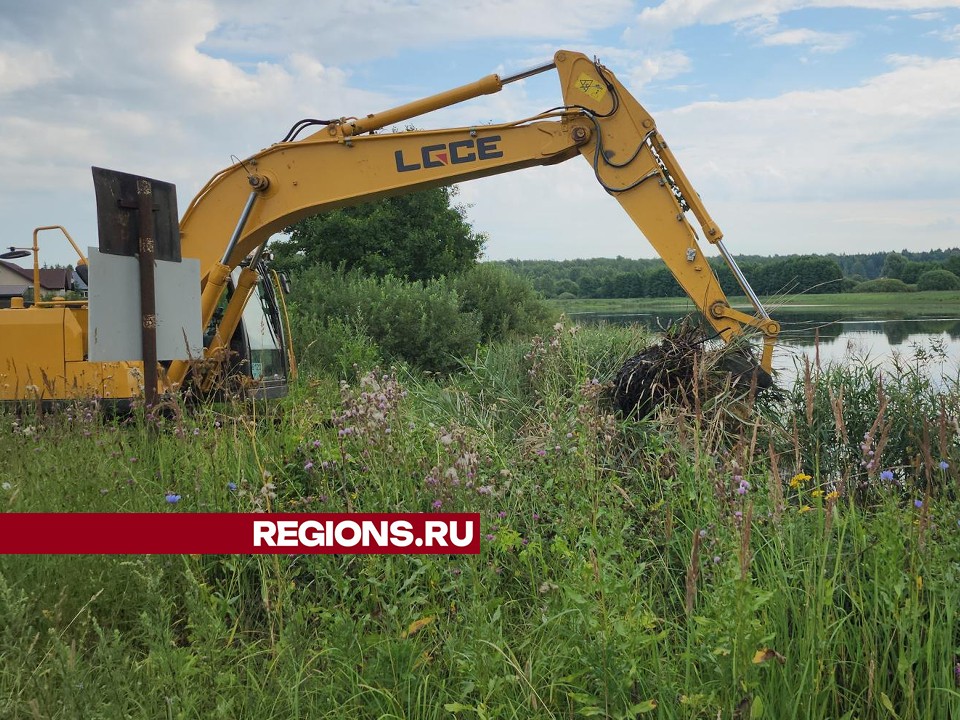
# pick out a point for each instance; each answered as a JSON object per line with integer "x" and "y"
{"x": 799, "y": 479}
{"x": 833, "y": 495}
{"x": 817, "y": 493}
{"x": 804, "y": 508}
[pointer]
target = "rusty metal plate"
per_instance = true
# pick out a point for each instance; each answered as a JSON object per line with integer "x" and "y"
{"x": 118, "y": 220}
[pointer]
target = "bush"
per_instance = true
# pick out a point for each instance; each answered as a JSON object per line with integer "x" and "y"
{"x": 506, "y": 304}
{"x": 420, "y": 323}
{"x": 938, "y": 280}
{"x": 883, "y": 285}
{"x": 847, "y": 284}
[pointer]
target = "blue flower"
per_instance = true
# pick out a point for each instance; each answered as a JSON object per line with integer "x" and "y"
{"x": 886, "y": 475}
{"x": 231, "y": 486}
{"x": 918, "y": 503}
{"x": 944, "y": 465}
{"x": 173, "y": 499}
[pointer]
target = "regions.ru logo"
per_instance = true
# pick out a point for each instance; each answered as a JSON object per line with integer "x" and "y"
{"x": 455, "y": 153}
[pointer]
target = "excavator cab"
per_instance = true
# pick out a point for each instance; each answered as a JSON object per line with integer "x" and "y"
{"x": 259, "y": 344}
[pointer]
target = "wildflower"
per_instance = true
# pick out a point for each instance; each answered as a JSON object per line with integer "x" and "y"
{"x": 308, "y": 465}
{"x": 832, "y": 495}
{"x": 6, "y": 486}
{"x": 804, "y": 508}
{"x": 437, "y": 504}
{"x": 489, "y": 537}
{"x": 799, "y": 479}
{"x": 172, "y": 498}
{"x": 918, "y": 504}
{"x": 886, "y": 475}
{"x": 316, "y": 443}
{"x": 502, "y": 514}
{"x": 944, "y": 465}
{"x": 231, "y": 486}
{"x": 541, "y": 453}
{"x": 743, "y": 487}
{"x": 716, "y": 559}
{"x": 196, "y": 431}
{"x": 817, "y": 493}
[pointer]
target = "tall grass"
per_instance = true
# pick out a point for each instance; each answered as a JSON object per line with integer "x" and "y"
{"x": 702, "y": 563}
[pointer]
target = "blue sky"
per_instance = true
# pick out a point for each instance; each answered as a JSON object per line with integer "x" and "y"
{"x": 806, "y": 126}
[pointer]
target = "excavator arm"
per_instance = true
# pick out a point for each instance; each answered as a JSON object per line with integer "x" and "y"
{"x": 347, "y": 163}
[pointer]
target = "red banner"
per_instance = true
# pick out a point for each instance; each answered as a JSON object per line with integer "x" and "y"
{"x": 234, "y": 533}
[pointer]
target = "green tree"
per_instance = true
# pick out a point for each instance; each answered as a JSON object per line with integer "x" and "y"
{"x": 938, "y": 280}
{"x": 418, "y": 236}
{"x": 894, "y": 266}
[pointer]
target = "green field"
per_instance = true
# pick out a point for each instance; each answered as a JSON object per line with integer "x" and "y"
{"x": 911, "y": 304}
{"x": 797, "y": 559}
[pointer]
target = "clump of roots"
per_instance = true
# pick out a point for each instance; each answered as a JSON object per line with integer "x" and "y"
{"x": 685, "y": 368}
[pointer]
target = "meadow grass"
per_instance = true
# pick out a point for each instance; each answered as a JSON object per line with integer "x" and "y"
{"x": 797, "y": 558}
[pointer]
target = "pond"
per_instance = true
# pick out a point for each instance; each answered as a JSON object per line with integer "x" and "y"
{"x": 835, "y": 336}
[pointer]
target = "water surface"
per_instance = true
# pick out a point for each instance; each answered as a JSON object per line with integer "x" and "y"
{"x": 835, "y": 335}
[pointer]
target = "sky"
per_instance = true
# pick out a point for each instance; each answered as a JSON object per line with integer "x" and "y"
{"x": 806, "y": 126}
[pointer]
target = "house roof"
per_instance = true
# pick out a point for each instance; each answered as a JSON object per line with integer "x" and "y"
{"x": 50, "y": 278}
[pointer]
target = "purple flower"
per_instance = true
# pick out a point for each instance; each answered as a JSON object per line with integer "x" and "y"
{"x": 437, "y": 504}
{"x": 231, "y": 486}
{"x": 172, "y": 499}
{"x": 944, "y": 465}
{"x": 743, "y": 487}
{"x": 308, "y": 465}
{"x": 918, "y": 503}
{"x": 502, "y": 514}
{"x": 489, "y": 537}
{"x": 886, "y": 475}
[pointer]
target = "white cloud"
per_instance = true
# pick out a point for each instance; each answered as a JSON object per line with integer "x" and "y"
{"x": 825, "y": 42}
{"x": 22, "y": 67}
{"x": 951, "y": 34}
{"x": 672, "y": 14}
{"x": 890, "y": 137}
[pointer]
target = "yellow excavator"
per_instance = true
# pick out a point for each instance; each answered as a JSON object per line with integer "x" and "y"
{"x": 44, "y": 345}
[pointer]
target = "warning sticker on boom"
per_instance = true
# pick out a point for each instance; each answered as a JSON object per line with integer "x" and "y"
{"x": 593, "y": 88}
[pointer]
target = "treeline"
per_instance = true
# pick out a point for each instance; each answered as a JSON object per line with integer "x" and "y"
{"x": 769, "y": 275}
